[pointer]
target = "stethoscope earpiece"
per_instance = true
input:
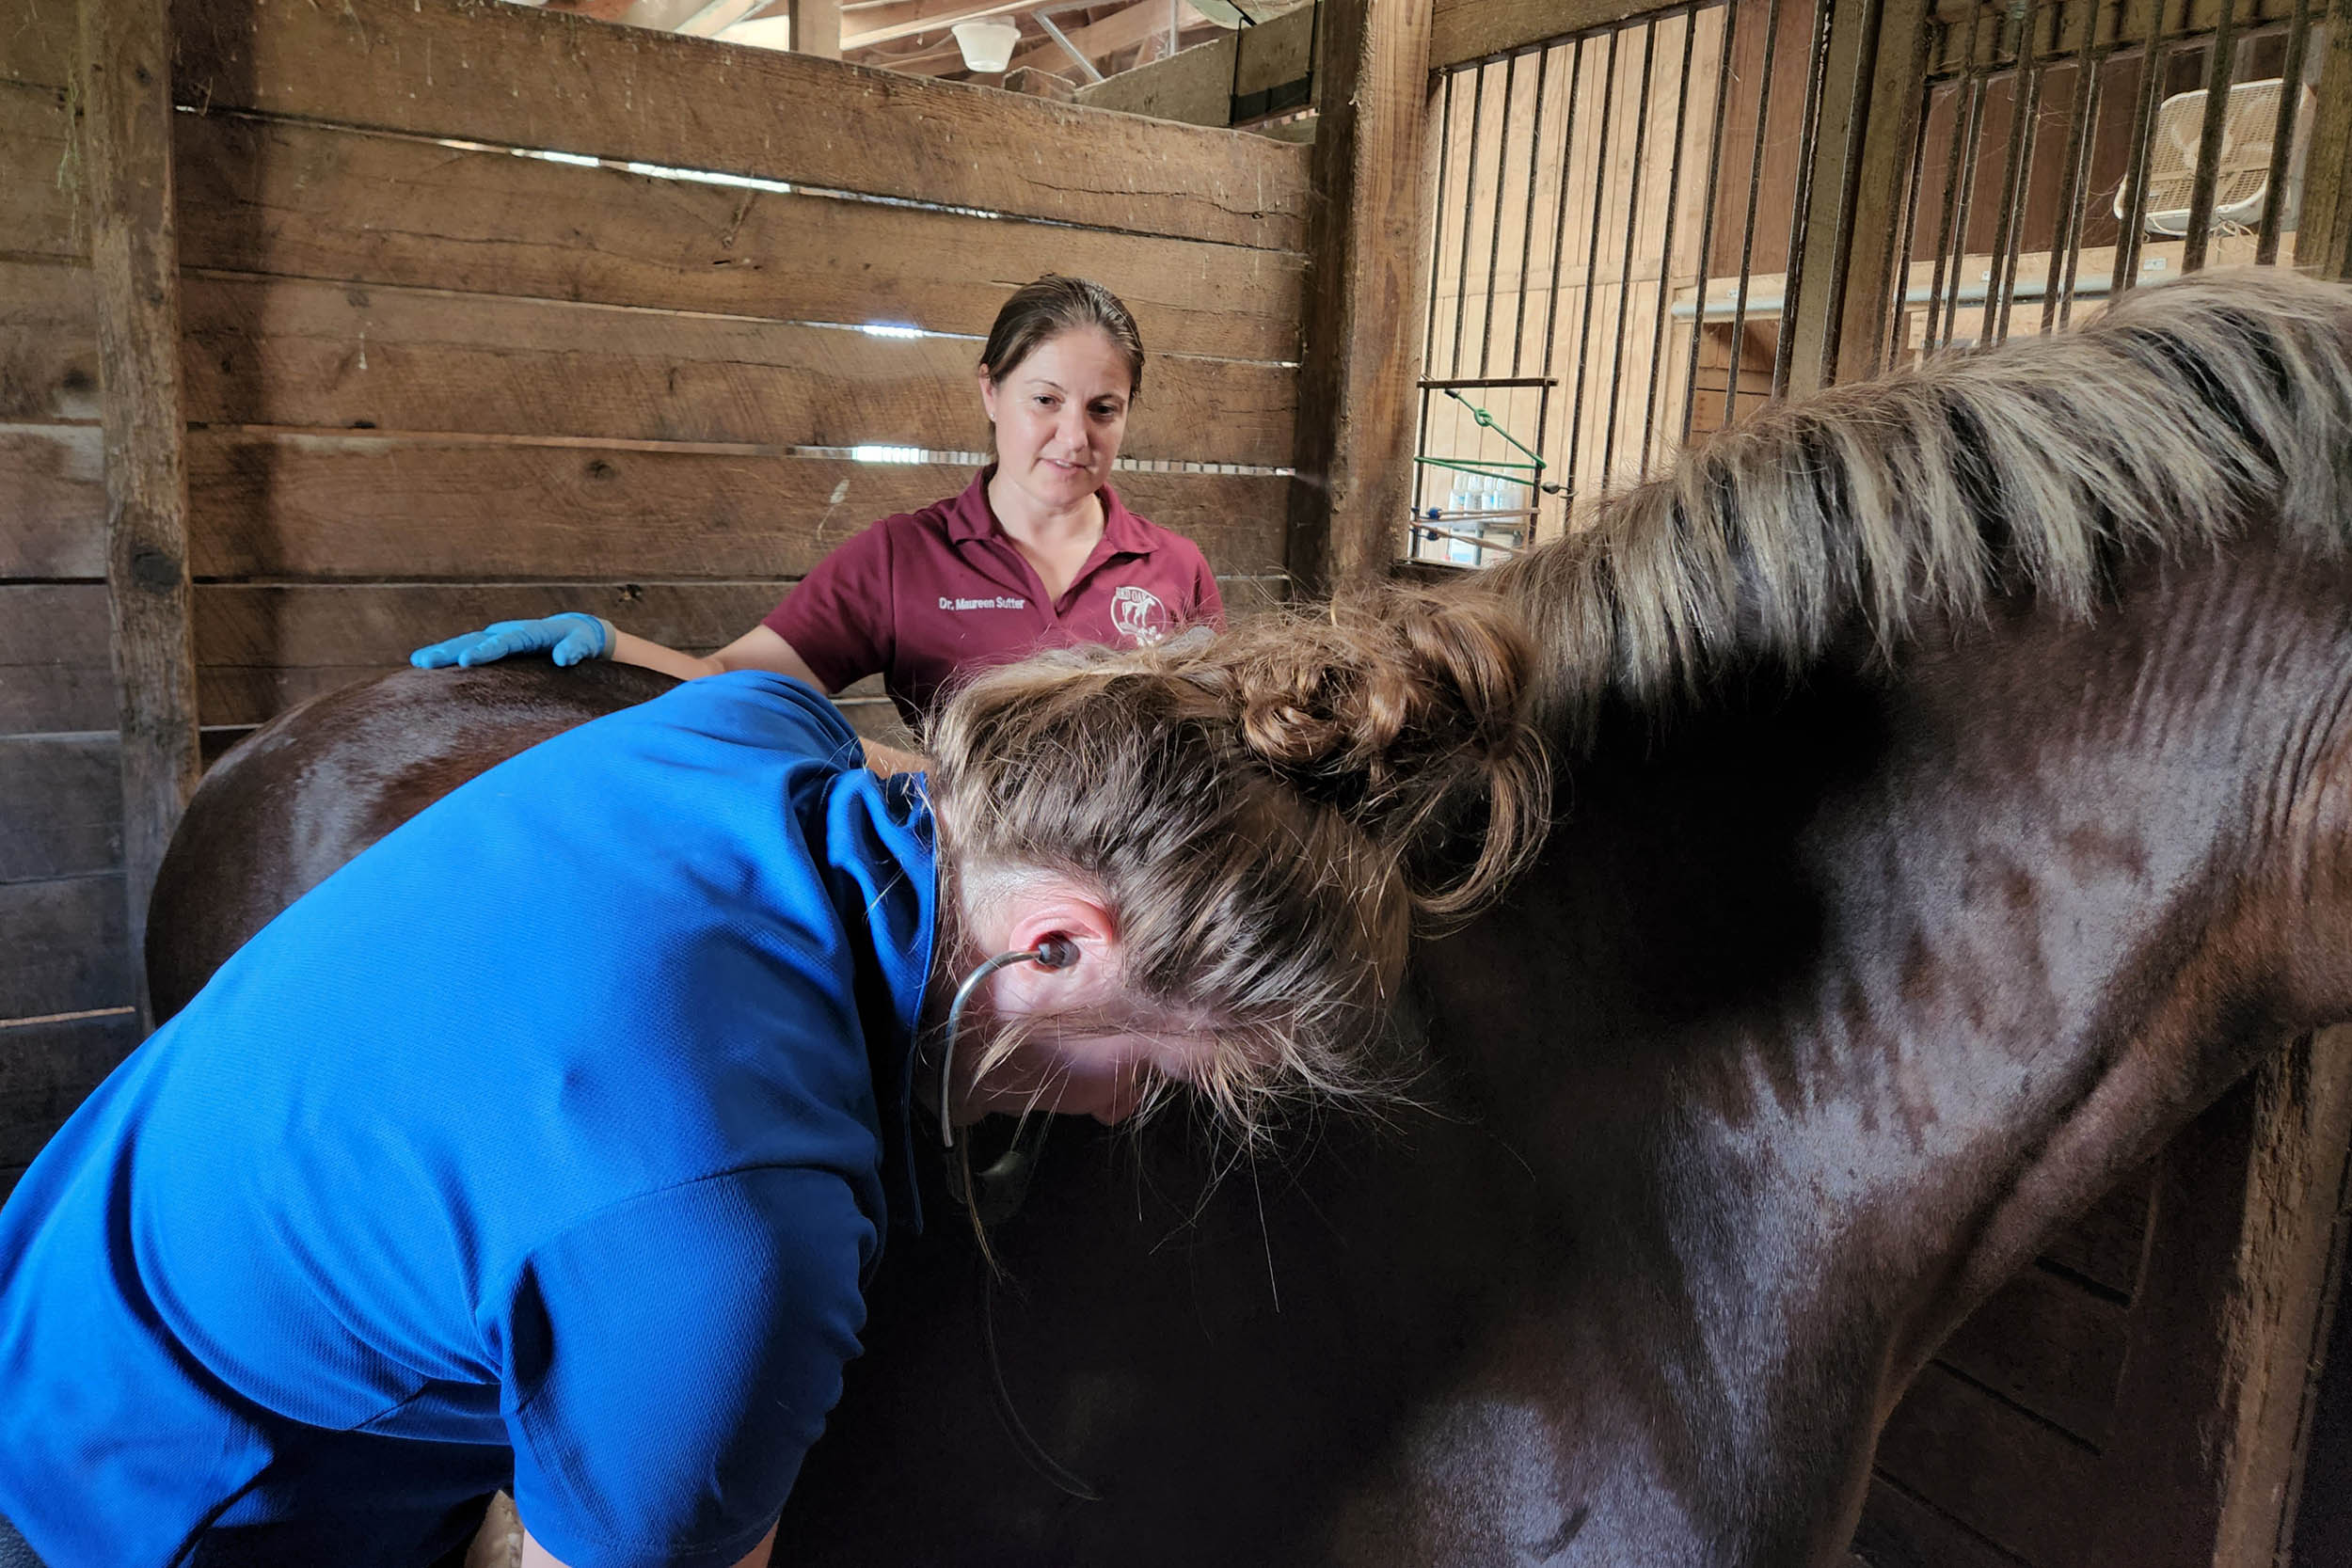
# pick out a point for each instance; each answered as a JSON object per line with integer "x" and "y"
{"x": 1055, "y": 951}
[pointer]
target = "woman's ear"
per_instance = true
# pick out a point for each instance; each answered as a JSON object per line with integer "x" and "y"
{"x": 1058, "y": 909}
{"x": 988, "y": 393}
{"x": 1045, "y": 909}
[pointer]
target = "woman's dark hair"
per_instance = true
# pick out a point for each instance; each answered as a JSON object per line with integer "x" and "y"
{"x": 1048, "y": 307}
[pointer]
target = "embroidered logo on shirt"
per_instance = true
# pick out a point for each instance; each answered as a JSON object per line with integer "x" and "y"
{"x": 1001, "y": 601}
{"x": 1139, "y": 616}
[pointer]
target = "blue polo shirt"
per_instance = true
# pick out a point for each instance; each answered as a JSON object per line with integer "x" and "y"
{"x": 544, "y": 1144}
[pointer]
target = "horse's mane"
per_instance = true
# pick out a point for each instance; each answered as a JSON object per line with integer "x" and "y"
{"x": 2170, "y": 420}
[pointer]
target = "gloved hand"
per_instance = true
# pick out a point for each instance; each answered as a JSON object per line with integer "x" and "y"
{"x": 570, "y": 637}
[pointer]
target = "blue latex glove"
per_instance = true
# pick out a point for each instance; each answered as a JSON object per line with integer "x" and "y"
{"x": 569, "y": 636}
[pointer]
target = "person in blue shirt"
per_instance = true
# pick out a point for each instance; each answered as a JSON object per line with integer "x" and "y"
{"x": 549, "y": 1144}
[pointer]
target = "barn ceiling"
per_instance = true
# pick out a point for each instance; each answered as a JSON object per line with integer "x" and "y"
{"x": 1070, "y": 38}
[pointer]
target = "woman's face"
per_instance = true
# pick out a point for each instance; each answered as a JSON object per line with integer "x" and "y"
{"x": 1060, "y": 415}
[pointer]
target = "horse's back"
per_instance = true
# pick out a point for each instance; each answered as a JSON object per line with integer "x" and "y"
{"x": 327, "y": 778}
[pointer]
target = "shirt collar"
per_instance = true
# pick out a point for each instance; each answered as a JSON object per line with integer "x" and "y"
{"x": 969, "y": 518}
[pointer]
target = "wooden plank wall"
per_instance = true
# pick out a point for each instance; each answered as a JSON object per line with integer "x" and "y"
{"x": 65, "y": 980}
{"x": 431, "y": 382}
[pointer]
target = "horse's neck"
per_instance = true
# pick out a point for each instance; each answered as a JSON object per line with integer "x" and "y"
{"x": 1822, "y": 1011}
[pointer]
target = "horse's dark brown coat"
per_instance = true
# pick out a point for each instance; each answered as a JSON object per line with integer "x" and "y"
{"x": 1836, "y": 990}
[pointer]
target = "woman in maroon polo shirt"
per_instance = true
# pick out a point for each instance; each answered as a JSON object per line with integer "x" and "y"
{"x": 1036, "y": 552}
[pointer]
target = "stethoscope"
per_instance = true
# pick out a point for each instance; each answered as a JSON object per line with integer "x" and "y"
{"x": 1055, "y": 952}
{"x": 1011, "y": 1180}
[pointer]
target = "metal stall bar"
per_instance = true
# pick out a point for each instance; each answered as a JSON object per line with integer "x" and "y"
{"x": 2221, "y": 68}
{"x": 1808, "y": 136}
{"x": 1560, "y": 245}
{"x": 2016, "y": 178}
{"x": 1592, "y": 268}
{"x": 1706, "y": 222}
{"x": 1979, "y": 82}
{"x": 2066, "y": 243}
{"x": 1436, "y": 249}
{"x": 1747, "y": 231}
{"x": 1494, "y": 241}
{"x": 1625, "y": 266}
{"x": 1470, "y": 210}
{"x": 1949, "y": 195}
{"x": 1527, "y": 216}
{"x": 1666, "y": 244}
{"x": 2283, "y": 140}
{"x": 2153, "y": 50}
{"x": 1897, "y": 277}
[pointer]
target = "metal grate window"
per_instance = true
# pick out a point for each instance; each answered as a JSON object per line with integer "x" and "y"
{"x": 1599, "y": 206}
{"x": 2071, "y": 152}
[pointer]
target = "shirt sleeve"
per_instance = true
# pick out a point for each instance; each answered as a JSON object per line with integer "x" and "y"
{"x": 670, "y": 1361}
{"x": 840, "y": 617}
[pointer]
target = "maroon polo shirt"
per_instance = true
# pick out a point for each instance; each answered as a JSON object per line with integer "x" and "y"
{"x": 918, "y": 596}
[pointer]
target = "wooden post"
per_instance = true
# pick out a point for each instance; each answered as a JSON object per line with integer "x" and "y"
{"x": 817, "y": 29}
{"x": 1840, "y": 151}
{"x": 2228, "y": 1318}
{"x": 125, "y": 77}
{"x": 1874, "y": 273}
{"x": 1362, "y": 352}
{"x": 2323, "y": 238}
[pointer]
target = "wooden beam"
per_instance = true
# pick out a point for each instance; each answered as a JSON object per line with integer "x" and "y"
{"x": 1353, "y": 480}
{"x": 1466, "y": 30}
{"x": 443, "y": 68}
{"x": 1198, "y": 85}
{"x": 815, "y": 28}
{"x": 1137, "y": 23}
{"x": 125, "y": 75}
{"x": 930, "y": 16}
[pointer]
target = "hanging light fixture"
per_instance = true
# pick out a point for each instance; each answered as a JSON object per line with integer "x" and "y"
{"x": 987, "y": 44}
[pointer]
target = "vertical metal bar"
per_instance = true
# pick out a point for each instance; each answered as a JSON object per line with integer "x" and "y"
{"x": 2283, "y": 139}
{"x": 1527, "y": 216}
{"x": 1624, "y": 268}
{"x": 1907, "y": 219}
{"x": 1560, "y": 214}
{"x": 2220, "y": 69}
{"x": 1950, "y": 195}
{"x": 1666, "y": 244}
{"x": 2066, "y": 245}
{"x": 2082, "y": 195}
{"x": 1980, "y": 87}
{"x": 2025, "y": 96}
{"x": 2152, "y": 58}
{"x": 1494, "y": 241}
{"x": 1747, "y": 231}
{"x": 1535, "y": 492}
{"x": 1470, "y": 210}
{"x": 1436, "y": 225}
{"x": 1436, "y": 249}
{"x": 1808, "y": 135}
{"x": 1559, "y": 245}
{"x": 1592, "y": 267}
{"x": 1707, "y": 223}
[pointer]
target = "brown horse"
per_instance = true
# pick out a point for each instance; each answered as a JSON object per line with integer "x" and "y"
{"x": 1954, "y": 799}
